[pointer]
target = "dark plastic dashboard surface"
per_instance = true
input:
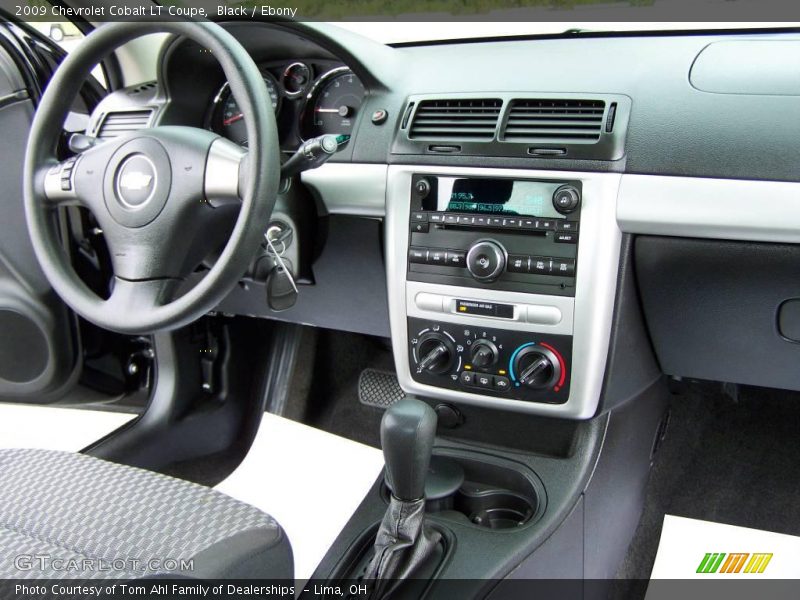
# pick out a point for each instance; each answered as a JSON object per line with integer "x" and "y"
{"x": 674, "y": 128}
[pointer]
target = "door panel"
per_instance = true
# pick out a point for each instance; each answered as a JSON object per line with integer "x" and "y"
{"x": 38, "y": 354}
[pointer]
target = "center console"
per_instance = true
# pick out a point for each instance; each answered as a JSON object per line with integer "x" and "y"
{"x": 501, "y": 288}
{"x": 501, "y": 285}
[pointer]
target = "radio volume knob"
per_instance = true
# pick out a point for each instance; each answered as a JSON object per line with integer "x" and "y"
{"x": 486, "y": 260}
{"x": 566, "y": 199}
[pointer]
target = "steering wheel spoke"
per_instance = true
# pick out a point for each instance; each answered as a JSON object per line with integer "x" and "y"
{"x": 77, "y": 181}
{"x": 59, "y": 183}
{"x": 133, "y": 299}
{"x": 225, "y": 168}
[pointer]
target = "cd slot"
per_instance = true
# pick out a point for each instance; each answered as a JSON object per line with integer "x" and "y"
{"x": 489, "y": 228}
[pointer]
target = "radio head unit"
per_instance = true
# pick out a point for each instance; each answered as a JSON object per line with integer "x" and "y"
{"x": 504, "y": 233}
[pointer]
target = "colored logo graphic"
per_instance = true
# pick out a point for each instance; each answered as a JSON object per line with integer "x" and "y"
{"x": 742, "y": 562}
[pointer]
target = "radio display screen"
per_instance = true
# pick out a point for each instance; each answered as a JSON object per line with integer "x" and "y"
{"x": 500, "y": 197}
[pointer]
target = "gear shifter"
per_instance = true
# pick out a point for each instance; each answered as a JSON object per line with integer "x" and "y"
{"x": 407, "y": 432}
{"x": 404, "y": 545}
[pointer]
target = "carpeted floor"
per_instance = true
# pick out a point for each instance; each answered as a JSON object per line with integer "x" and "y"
{"x": 331, "y": 396}
{"x": 733, "y": 462}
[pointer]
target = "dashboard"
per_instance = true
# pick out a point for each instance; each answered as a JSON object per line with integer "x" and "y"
{"x": 527, "y": 218}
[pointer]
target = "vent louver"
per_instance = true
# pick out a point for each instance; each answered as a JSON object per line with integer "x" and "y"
{"x": 456, "y": 119}
{"x": 119, "y": 123}
{"x": 553, "y": 121}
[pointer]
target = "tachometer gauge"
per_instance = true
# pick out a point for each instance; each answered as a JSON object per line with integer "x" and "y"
{"x": 228, "y": 119}
{"x": 295, "y": 79}
{"x": 334, "y": 104}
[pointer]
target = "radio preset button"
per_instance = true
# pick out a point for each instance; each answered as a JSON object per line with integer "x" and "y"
{"x": 436, "y": 217}
{"x": 495, "y": 222}
{"x": 481, "y": 221}
{"x": 545, "y": 224}
{"x": 465, "y": 220}
{"x": 528, "y": 223}
{"x": 450, "y": 219}
{"x": 419, "y": 216}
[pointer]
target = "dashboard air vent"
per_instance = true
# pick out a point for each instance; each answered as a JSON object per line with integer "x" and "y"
{"x": 554, "y": 121}
{"x": 119, "y": 123}
{"x": 456, "y": 119}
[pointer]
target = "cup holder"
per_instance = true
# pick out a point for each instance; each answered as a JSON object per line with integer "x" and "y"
{"x": 494, "y": 509}
{"x": 495, "y": 494}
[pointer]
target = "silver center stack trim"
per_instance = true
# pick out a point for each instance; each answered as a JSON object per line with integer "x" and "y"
{"x": 532, "y": 312}
{"x": 349, "y": 188}
{"x": 592, "y": 307}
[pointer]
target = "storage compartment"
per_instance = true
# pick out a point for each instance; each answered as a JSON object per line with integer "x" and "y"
{"x": 713, "y": 308}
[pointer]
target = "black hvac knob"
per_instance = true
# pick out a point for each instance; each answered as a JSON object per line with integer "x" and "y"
{"x": 483, "y": 354}
{"x": 486, "y": 260}
{"x": 566, "y": 199}
{"x": 435, "y": 353}
{"x": 537, "y": 367}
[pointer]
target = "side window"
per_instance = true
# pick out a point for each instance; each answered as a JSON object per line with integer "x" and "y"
{"x": 67, "y": 36}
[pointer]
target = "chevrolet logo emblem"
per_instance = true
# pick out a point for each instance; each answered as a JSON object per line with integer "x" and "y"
{"x": 135, "y": 180}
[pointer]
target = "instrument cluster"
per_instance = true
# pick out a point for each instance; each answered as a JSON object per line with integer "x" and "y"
{"x": 310, "y": 98}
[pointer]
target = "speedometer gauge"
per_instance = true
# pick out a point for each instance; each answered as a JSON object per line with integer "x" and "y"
{"x": 334, "y": 104}
{"x": 228, "y": 119}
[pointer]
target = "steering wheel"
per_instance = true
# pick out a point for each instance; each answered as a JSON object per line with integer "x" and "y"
{"x": 158, "y": 194}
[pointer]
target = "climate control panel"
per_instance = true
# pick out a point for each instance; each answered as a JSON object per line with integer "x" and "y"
{"x": 495, "y": 362}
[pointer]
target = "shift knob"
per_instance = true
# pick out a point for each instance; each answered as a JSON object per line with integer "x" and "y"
{"x": 408, "y": 429}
